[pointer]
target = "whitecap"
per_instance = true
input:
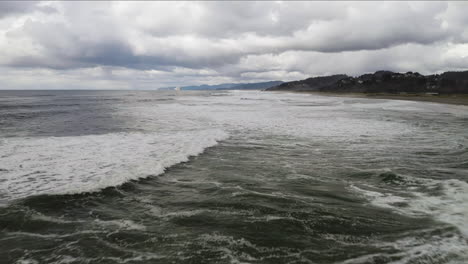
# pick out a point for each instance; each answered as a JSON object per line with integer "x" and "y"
{"x": 451, "y": 207}
{"x": 70, "y": 165}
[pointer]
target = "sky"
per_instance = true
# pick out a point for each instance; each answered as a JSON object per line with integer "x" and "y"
{"x": 149, "y": 45}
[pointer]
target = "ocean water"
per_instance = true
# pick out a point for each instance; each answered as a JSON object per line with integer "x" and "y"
{"x": 230, "y": 177}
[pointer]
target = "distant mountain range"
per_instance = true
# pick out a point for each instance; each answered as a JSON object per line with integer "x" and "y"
{"x": 230, "y": 86}
{"x": 382, "y": 82}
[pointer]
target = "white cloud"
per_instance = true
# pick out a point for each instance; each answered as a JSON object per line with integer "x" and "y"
{"x": 155, "y": 44}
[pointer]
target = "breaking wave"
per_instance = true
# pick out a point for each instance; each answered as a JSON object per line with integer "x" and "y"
{"x": 69, "y": 165}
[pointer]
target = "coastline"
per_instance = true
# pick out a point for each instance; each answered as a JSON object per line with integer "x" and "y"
{"x": 454, "y": 99}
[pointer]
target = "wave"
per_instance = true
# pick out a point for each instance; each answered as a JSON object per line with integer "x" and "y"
{"x": 70, "y": 165}
{"x": 415, "y": 250}
{"x": 445, "y": 201}
{"x": 451, "y": 206}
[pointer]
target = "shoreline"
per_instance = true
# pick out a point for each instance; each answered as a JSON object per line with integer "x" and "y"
{"x": 454, "y": 99}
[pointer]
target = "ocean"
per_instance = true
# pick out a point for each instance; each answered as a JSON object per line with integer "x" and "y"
{"x": 230, "y": 177}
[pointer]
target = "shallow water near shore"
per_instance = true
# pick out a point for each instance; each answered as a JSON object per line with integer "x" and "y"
{"x": 455, "y": 99}
{"x": 230, "y": 177}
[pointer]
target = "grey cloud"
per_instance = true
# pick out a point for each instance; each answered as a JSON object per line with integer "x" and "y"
{"x": 225, "y": 18}
{"x": 335, "y": 27}
{"x": 15, "y": 7}
{"x": 10, "y": 8}
{"x": 236, "y": 40}
{"x": 61, "y": 46}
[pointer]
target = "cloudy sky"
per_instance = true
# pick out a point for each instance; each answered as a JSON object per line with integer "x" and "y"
{"x": 146, "y": 45}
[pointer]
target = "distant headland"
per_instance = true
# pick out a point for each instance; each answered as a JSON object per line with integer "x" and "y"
{"x": 383, "y": 82}
{"x": 448, "y": 87}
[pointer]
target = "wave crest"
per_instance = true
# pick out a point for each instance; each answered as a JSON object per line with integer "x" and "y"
{"x": 69, "y": 165}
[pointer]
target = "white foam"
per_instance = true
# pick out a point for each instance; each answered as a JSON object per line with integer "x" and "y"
{"x": 451, "y": 207}
{"x": 416, "y": 250}
{"x": 67, "y": 165}
{"x": 39, "y": 235}
{"x": 279, "y": 114}
{"x": 121, "y": 224}
{"x": 27, "y": 261}
{"x": 298, "y": 115}
{"x": 45, "y": 218}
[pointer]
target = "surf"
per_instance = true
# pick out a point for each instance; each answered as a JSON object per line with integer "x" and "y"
{"x": 70, "y": 165}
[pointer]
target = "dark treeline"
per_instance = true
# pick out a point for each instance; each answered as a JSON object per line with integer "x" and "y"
{"x": 383, "y": 82}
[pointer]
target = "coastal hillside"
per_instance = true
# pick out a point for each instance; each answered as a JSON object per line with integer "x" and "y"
{"x": 383, "y": 82}
{"x": 310, "y": 84}
{"x": 253, "y": 86}
{"x": 231, "y": 86}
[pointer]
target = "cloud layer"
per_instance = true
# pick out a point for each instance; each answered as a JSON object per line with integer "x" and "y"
{"x": 131, "y": 45}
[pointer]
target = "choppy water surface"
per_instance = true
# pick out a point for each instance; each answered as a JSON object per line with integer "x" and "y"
{"x": 230, "y": 177}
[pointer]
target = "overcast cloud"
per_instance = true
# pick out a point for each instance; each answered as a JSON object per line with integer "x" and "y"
{"x": 145, "y": 45}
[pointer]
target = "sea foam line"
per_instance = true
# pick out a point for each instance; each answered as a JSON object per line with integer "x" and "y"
{"x": 69, "y": 165}
{"x": 451, "y": 207}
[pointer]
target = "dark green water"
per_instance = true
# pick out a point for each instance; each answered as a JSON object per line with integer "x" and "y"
{"x": 235, "y": 177}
